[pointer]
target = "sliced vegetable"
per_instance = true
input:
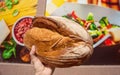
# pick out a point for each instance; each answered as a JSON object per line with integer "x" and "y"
{"x": 99, "y": 32}
{"x": 74, "y": 15}
{"x": 16, "y": 2}
{"x": 9, "y": 4}
{"x": 90, "y": 17}
{"x": 104, "y": 22}
{"x": 108, "y": 42}
{"x": 105, "y": 19}
{"x": 95, "y": 33}
{"x": 115, "y": 26}
{"x": 109, "y": 26}
{"x": 105, "y": 32}
{"x": 15, "y": 12}
{"x": 93, "y": 26}
{"x": 98, "y": 38}
{"x": 2, "y": 9}
{"x": 81, "y": 23}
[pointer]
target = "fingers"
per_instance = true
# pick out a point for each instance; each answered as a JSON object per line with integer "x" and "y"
{"x": 48, "y": 70}
{"x": 35, "y": 61}
{"x": 32, "y": 55}
{"x": 40, "y": 69}
{"x": 32, "y": 52}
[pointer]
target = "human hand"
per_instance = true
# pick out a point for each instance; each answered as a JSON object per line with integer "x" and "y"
{"x": 40, "y": 69}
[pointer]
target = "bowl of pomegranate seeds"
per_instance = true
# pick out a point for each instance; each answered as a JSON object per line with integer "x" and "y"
{"x": 20, "y": 27}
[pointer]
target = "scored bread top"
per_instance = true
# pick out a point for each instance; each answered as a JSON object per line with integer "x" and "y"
{"x": 56, "y": 37}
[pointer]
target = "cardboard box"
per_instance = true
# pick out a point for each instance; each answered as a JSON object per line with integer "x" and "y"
{"x": 27, "y": 69}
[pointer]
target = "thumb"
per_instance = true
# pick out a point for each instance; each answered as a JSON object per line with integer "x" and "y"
{"x": 32, "y": 52}
{"x": 34, "y": 60}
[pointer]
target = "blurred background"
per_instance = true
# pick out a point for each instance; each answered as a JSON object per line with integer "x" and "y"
{"x": 54, "y": 4}
{"x": 102, "y": 55}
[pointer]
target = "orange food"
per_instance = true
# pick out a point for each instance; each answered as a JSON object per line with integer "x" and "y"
{"x": 24, "y": 55}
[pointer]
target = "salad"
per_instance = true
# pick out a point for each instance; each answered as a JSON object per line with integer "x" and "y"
{"x": 97, "y": 29}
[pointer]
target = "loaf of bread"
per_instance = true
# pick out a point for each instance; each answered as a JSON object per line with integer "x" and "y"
{"x": 59, "y": 42}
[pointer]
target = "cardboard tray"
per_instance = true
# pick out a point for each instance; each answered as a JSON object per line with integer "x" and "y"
{"x": 27, "y": 69}
{"x": 86, "y": 69}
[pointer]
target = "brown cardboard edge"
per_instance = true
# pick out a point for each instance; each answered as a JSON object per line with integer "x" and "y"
{"x": 89, "y": 70}
{"x": 16, "y": 69}
{"x": 41, "y": 8}
{"x": 28, "y": 69}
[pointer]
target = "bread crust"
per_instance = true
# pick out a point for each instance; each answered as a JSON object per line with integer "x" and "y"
{"x": 59, "y": 42}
